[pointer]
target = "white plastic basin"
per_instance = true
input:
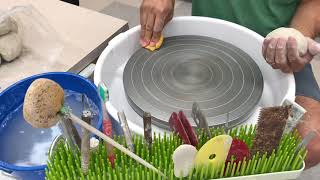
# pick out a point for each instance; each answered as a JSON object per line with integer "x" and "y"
{"x": 109, "y": 69}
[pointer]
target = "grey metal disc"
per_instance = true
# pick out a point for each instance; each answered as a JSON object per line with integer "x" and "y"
{"x": 219, "y": 76}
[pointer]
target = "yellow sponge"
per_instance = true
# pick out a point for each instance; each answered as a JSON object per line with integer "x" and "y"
{"x": 158, "y": 44}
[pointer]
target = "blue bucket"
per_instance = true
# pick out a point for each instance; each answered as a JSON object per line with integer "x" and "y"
{"x": 12, "y": 98}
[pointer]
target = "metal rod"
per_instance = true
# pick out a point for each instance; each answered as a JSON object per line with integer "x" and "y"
{"x": 126, "y": 130}
{"x": 147, "y": 128}
{"x": 85, "y": 145}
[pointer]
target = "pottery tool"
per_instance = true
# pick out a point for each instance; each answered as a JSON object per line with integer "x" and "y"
{"x": 85, "y": 143}
{"x": 283, "y": 163}
{"x": 106, "y": 122}
{"x": 200, "y": 119}
{"x": 188, "y": 128}
{"x": 296, "y": 115}
{"x": 270, "y": 128}
{"x": 147, "y": 129}
{"x": 43, "y": 108}
{"x": 70, "y": 132}
{"x": 180, "y": 125}
{"x": 183, "y": 160}
{"x": 126, "y": 131}
{"x": 226, "y": 125}
{"x": 177, "y": 127}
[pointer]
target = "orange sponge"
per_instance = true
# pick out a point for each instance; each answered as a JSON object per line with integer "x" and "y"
{"x": 158, "y": 44}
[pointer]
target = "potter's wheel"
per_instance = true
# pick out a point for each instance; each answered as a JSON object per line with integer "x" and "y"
{"x": 219, "y": 76}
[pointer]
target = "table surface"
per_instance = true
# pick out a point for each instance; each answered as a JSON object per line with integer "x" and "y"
{"x": 84, "y": 33}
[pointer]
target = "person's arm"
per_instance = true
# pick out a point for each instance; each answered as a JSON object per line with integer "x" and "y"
{"x": 307, "y": 18}
{"x": 282, "y": 53}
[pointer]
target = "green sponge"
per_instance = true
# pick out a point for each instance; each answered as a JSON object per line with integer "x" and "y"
{"x": 65, "y": 164}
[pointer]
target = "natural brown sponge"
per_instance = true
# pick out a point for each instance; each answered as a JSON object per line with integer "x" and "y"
{"x": 271, "y": 124}
{"x": 42, "y": 103}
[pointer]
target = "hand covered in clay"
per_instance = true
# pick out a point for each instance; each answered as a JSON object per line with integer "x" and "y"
{"x": 291, "y": 53}
{"x": 154, "y": 15}
{"x": 282, "y": 54}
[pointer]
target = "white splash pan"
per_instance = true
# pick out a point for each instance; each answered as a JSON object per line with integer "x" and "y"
{"x": 109, "y": 69}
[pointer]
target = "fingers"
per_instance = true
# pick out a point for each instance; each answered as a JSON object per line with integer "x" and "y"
{"x": 313, "y": 47}
{"x": 157, "y": 29}
{"x": 149, "y": 27}
{"x": 147, "y": 20}
{"x": 270, "y": 52}
{"x": 296, "y": 62}
{"x": 264, "y": 47}
{"x": 143, "y": 22}
{"x": 281, "y": 56}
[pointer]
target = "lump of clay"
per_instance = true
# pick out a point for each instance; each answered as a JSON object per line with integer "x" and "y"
{"x": 7, "y": 25}
{"x": 43, "y": 100}
{"x": 183, "y": 160}
{"x": 291, "y": 32}
{"x": 10, "y": 46}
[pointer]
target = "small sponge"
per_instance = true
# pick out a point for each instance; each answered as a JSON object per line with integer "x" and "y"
{"x": 158, "y": 44}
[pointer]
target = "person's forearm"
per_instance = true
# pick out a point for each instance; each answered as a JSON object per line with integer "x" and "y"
{"x": 307, "y": 18}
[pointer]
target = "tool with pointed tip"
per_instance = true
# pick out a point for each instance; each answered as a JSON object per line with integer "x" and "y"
{"x": 43, "y": 108}
{"x": 147, "y": 128}
{"x": 226, "y": 125}
{"x": 126, "y": 131}
{"x": 200, "y": 119}
{"x": 85, "y": 143}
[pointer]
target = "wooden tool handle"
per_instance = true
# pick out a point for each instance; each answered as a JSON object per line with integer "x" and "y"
{"x": 114, "y": 143}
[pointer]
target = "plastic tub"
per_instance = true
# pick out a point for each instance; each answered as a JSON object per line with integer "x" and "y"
{"x": 13, "y": 97}
{"x": 109, "y": 69}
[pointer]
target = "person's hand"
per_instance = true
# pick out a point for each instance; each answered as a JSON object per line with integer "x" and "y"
{"x": 154, "y": 15}
{"x": 282, "y": 54}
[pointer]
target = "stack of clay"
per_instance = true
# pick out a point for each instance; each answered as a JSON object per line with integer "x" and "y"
{"x": 10, "y": 41}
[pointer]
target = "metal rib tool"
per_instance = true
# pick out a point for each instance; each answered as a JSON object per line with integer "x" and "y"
{"x": 126, "y": 130}
{"x": 200, "y": 119}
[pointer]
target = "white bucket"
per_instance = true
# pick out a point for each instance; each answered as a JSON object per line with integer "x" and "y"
{"x": 109, "y": 69}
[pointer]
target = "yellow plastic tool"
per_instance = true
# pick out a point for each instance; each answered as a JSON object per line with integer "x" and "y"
{"x": 214, "y": 152}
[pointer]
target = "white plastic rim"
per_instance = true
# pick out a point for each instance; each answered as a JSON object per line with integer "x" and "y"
{"x": 109, "y": 68}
